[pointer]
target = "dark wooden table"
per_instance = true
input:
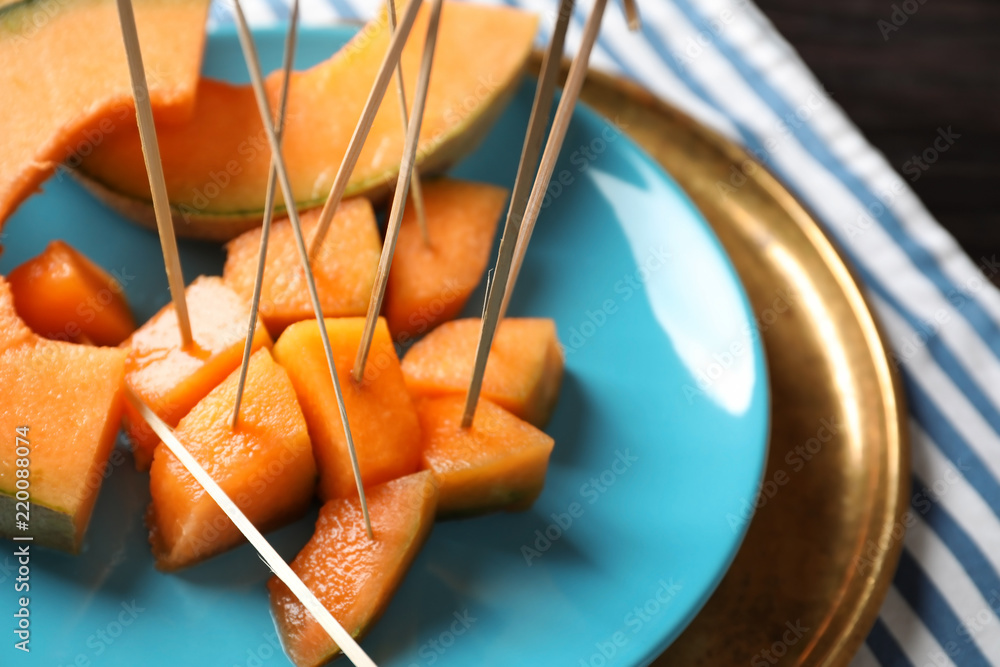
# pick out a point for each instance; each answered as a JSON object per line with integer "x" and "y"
{"x": 903, "y": 70}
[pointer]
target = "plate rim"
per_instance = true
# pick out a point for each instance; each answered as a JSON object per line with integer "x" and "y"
{"x": 848, "y": 638}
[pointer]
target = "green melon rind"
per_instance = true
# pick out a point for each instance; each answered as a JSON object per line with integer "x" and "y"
{"x": 11, "y": 12}
{"x": 48, "y": 527}
{"x": 17, "y": 17}
{"x": 502, "y": 498}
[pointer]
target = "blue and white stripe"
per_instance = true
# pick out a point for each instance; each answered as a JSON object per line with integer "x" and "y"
{"x": 723, "y": 62}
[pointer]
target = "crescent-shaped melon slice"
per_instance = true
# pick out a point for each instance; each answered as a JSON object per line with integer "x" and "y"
{"x": 217, "y": 164}
{"x": 66, "y": 86}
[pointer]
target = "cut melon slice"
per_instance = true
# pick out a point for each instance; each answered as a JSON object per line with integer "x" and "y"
{"x": 352, "y": 576}
{"x": 265, "y": 465}
{"x": 344, "y": 269}
{"x": 216, "y": 165}
{"x": 68, "y": 397}
{"x": 64, "y": 78}
{"x": 62, "y": 295}
{"x": 430, "y": 282}
{"x": 523, "y": 374}
{"x": 380, "y": 411}
{"x": 497, "y": 463}
{"x": 171, "y": 379}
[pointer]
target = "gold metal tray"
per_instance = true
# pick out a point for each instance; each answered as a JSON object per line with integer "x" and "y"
{"x": 821, "y": 548}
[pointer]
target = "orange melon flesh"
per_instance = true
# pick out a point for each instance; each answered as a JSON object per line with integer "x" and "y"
{"x": 430, "y": 282}
{"x": 171, "y": 379}
{"x": 380, "y": 411}
{"x": 497, "y": 463}
{"x": 344, "y": 268}
{"x": 69, "y": 396}
{"x": 523, "y": 373}
{"x": 13, "y": 330}
{"x": 62, "y": 295}
{"x": 217, "y": 164}
{"x": 63, "y": 72}
{"x": 352, "y": 576}
{"x": 265, "y": 465}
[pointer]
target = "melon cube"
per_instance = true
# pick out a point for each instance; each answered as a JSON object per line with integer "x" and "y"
{"x": 69, "y": 398}
{"x": 265, "y": 465}
{"x": 430, "y": 282}
{"x": 62, "y": 295}
{"x": 379, "y": 410}
{"x": 497, "y": 463}
{"x": 344, "y": 268}
{"x": 523, "y": 373}
{"x": 170, "y": 378}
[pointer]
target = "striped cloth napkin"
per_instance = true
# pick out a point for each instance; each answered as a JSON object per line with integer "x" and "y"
{"x": 724, "y": 63}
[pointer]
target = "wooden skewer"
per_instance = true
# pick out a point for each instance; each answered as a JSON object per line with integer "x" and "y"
{"x": 544, "y": 94}
{"x": 267, "y": 553}
{"x": 257, "y": 81}
{"x": 519, "y": 201}
{"x": 154, "y": 168}
{"x": 162, "y": 210}
{"x": 632, "y": 15}
{"x": 525, "y": 235}
{"x": 416, "y": 189}
{"x": 364, "y": 126}
{"x": 399, "y": 199}
{"x": 265, "y": 232}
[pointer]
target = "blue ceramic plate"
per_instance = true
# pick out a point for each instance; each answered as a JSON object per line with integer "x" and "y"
{"x": 661, "y": 437}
